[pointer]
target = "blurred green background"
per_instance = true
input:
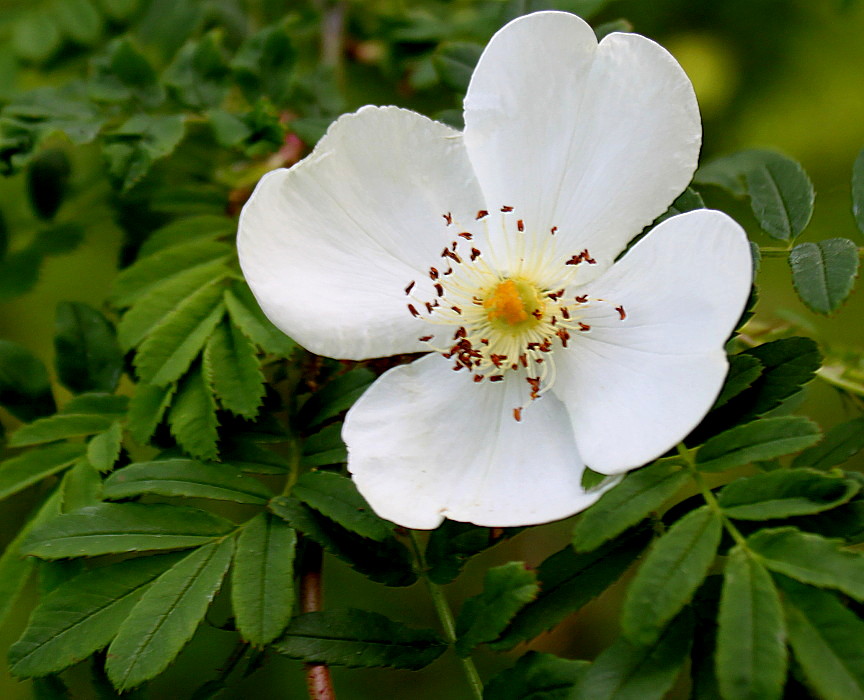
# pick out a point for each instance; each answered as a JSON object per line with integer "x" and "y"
{"x": 780, "y": 74}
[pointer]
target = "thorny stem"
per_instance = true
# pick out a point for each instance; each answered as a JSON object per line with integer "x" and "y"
{"x": 445, "y": 616}
{"x": 318, "y": 682}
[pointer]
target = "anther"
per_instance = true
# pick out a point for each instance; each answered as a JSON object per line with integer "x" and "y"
{"x": 425, "y": 338}
{"x": 553, "y": 230}
{"x": 517, "y": 414}
{"x": 506, "y": 209}
{"x": 413, "y": 310}
{"x": 478, "y": 378}
{"x": 467, "y": 236}
{"x": 481, "y": 214}
{"x": 474, "y": 254}
{"x": 433, "y": 273}
{"x": 565, "y": 313}
{"x": 409, "y": 288}
{"x": 496, "y": 378}
{"x": 448, "y": 217}
{"x": 439, "y": 290}
{"x": 582, "y": 299}
{"x": 520, "y": 225}
{"x": 621, "y": 313}
{"x": 584, "y": 327}
{"x": 457, "y": 310}
{"x": 429, "y": 306}
{"x": 460, "y": 332}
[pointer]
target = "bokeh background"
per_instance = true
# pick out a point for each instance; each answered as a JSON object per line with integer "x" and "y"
{"x": 781, "y": 74}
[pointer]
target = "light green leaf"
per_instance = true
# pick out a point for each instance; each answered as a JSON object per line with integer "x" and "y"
{"x": 231, "y": 364}
{"x": 641, "y": 492}
{"x": 182, "y": 232}
{"x": 670, "y": 574}
{"x": 167, "y": 615}
{"x": 192, "y": 417}
{"x": 104, "y": 449}
{"x": 248, "y": 317}
{"x": 536, "y": 676}
{"x": 25, "y": 390}
{"x": 762, "y": 439}
{"x": 27, "y": 468}
{"x": 128, "y": 527}
{"x": 132, "y": 148}
{"x": 506, "y": 589}
{"x": 358, "y": 638}
{"x": 824, "y": 272}
{"x": 858, "y": 190}
{"x": 146, "y": 409}
{"x": 59, "y": 427}
{"x": 751, "y": 649}
{"x": 337, "y": 498}
{"x": 338, "y": 395}
{"x": 96, "y": 403}
{"x": 81, "y": 487}
{"x": 262, "y": 580}
{"x": 36, "y": 36}
{"x": 186, "y": 477}
{"x": 810, "y": 559}
{"x": 79, "y": 20}
{"x": 81, "y": 616}
{"x": 842, "y": 442}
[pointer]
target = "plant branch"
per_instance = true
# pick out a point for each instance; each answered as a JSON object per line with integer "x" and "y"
{"x": 318, "y": 682}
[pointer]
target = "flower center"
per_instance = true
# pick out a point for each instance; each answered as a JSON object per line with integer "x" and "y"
{"x": 513, "y": 306}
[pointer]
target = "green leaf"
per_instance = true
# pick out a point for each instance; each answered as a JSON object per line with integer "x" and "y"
{"x": 81, "y": 616}
{"x": 47, "y": 181}
{"x": 128, "y": 527}
{"x": 180, "y": 232}
{"x": 324, "y": 447}
{"x": 743, "y": 371}
{"x": 59, "y": 427}
{"x": 858, "y": 190}
{"x": 264, "y": 63}
{"x": 132, "y": 148}
{"x": 231, "y": 363}
{"x": 36, "y": 36}
{"x": 262, "y": 580}
{"x": 845, "y": 522}
{"x": 124, "y": 73}
{"x": 536, "y": 676}
{"x": 642, "y": 491}
{"x": 670, "y": 574}
{"x": 810, "y": 559}
{"x": 337, "y": 498}
{"x": 338, "y": 395}
{"x": 452, "y": 544}
{"x": 103, "y": 450}
{"x": 198, "y": 76}
{"x": 118, "y": 10}
{"x": 568, "y": 581}
{"x": 785, "y": 493}
{"x": 146, "y": 409}
{"x": 25, "y": 390}
{"x": 826, "y": 639}
{"x": 842, "y": 442}
{"x": 781, "y": 196}
{"x": 171, "y": 346}
{"x": 688, "y": 200}
{"x": 27, "y": 468}
{"x": 166, "y": 616}
{"x": 97, "y": 403}
{"x": 248, "y": 317}
{"x": 454, "y": 61}
{"x": 387, "y": 562}
{"x": 359, "y": 639}
{"x": 626, "y": 671}
{"x": 751, "y": 649}
{"x": 79, "y": 20}
{"x": 88, "y": 357}
{"x": 824, "y": 272}
{"x": 762, "y": 439}
{"x": 186, "y": 477}
{"x": 81, "y": 487}
{"x": 192, "y": 417}
{"x": 506, "y": 590}
{"x": 19, "y": 272}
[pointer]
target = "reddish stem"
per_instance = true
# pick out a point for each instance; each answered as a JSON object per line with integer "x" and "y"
{"x": 318, "y": 681}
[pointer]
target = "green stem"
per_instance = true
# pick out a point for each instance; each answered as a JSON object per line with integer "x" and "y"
{"x": 445, "y": 616}
{"x": 773, "y": 252}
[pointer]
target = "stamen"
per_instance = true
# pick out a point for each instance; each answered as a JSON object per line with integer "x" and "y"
{"x": 621, "y": 313}
{"x": 409, "y": 288}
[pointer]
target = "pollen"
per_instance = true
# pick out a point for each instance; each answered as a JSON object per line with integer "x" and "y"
{"x": 512, "y": 303}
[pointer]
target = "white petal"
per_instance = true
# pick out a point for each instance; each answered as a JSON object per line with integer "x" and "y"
{"x": 636, "y": 387}
{"x": 425, "y": 442}
{"x": 596, "y": 140}
{"x": 329, "y": 246}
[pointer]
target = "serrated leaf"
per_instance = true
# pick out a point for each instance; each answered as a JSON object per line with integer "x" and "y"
{"x": 198, "y": 76}
{"x": 858, "y": 190}
{"x": 824, "y": 272}
{"x": 192, "y": 417}
{"x": 132, "y": 148}
{"x": 506, "y": 589}
{"x": 248, "y": 317}
{"x": 641, "y": 492}
{"x": 250, "y": 457}
{"x": 25, "y": 390}
{"x": 81, "y": 487}
{"x": 455, "y": 61}
{"x": 171, "y": 346}
{"x": 842, "y": 442}
{"x": 568, "y": 581}
{"x": 167, "y": 615}
{"x": 781, "y": 197}
{"x": 674, "y": 568}
{"x": 452, "y": 544}
{"x": 784, "y": 493}
{"x": 338, "y": 395}
{"x": 810, "y": 559}
{"x": 181, "y": 232}
{"x": 27, "y": 468}
{"x": 81, "y": 616}
{"x": 128, "y": 527}
{"x": 262, "y": 580}
{"x": 337, "y": 498}
{"x": 186, "y": 477}
{"x": 324, "y": 447}
{"x": 387, "y": 562}
{"x": 107, "y": 405}
{"x": 626, "y": 671}
{"x": 146, "y": 409}
{"x": 60, "y": 426}
{"x": 536, "y": 676}
{"x": 231, "y": 363}
{"x": 743, "y": 371}
{"x": 751, "y": 649}
{"x": 88, "y": 357}
{"x": 359, "y": 639}
{"x": 826, "y": 639}
{"x": 104, "y": 449}
{"x": 762, "y": 439}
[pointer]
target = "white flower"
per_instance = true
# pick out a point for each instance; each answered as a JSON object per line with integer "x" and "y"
{"x": 494, "y": 248}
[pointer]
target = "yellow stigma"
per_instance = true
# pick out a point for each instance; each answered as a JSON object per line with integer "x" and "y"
{"x": 512, "y": 305}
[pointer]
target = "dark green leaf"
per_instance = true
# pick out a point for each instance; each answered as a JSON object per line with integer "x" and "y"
{"x": 124, "y": 73}
{"x": 27, "y": 468}
{"x": 146, "y": 409}
{"x": 845, "y": 522}
{"x": 192, "y": 417}
{"x": 781, "y": 196}
{"x": 762, "y": 439}
{"x": 642, "y": 491}
{"x": 198, "y": 77}
{"x": 19, "y": 272}
{"x": 358, "y": 638}
{"x": 842, "y": 442}
{"x": 337, "y": 498}
{"x": 824, "y": 272}
{"x": 132, "y": 148}
{"x": 81, "y": 487}
{"x": 180, "y": 232}
{"x": 248, "y": 317}
{"x": 536, "y": 676}
{"x": 387, "y": 562}
{"x": 751, "y": 649}
{"x": 743, "y": 371}
{"x": 568, "y": 581}
{"x": 455, "y": 63}
{"x": 118, "y": 10}
{"x": 670, "y": 574}
{"x": 59, "y": 427}
{"x": 88, "y": 357}
{"x": 231, "y": 363}
{"x": 83, "y": 615}
{"x": 324, "y": 447}
{"x": 104, "y": 449}
{"x": 826, "y": 639}
{"x": 338, "y": 395}
{"x": 858, "y": 190}
{"x": 506, "y": 590}
{"x": 263, "y": 65}
{"x": 97, "y": 403}
{"x": 186, "y": 477}
{"x": 47, "y": 179}
{"x": 167, "y": 615}
{"x": 688, "y": 200}
{"x": 262, "y": 580}
{"x": 129, "y": 527}
{"x": 25, "y": 390}
{"x": 810, "y": 559}
{"x": 452, "y": 544}
{"x": 785, "y": 493}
